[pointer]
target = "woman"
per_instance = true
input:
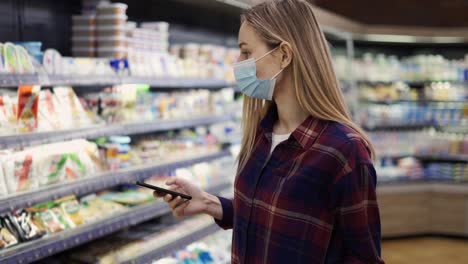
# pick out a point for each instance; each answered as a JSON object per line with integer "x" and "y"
{"x": 305, "y": 187}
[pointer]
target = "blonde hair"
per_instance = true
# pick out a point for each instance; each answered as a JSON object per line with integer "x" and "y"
{"x": 314, "y": 80}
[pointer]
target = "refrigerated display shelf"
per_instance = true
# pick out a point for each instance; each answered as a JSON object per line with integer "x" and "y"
{"x": 12, "y": 80}
{"x": 414, "y": 84}
{"x": 36, "y": 138}
{"x": 411, "y": 126}
{"x": 55, "y": 243}
{"x": 421, "y": 101}
{"x": 443, "y": 158}
{"x": 428, "y": 158}
{"x": 179, "y": 244}
{"x": 99, "y": 182}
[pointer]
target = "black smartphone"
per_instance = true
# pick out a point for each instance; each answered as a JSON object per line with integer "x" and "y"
{"x": 165, "y": 191}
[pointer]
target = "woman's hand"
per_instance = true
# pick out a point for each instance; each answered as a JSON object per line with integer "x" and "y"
{"x": 201, "y": 202}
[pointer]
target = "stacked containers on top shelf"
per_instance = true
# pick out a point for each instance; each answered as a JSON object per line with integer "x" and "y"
{"x": 84, "y": 36}
{"x": 147, "y": 47}
{"x": 111, "y": 30}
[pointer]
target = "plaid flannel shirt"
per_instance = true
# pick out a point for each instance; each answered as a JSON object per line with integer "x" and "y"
{"x": 312, "y": 201}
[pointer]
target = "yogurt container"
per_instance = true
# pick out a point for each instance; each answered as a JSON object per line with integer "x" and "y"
{"x": 111, "y": 31}
{"x": 84, "y": 51}
{"x": 112, "y": 52}
{"x": 112, "y": 9}
{"x": 112, "y": 20}
{"x": 158, "y": 26}
{"x": 112, "y": 41}
{"x": 84, "y": 20}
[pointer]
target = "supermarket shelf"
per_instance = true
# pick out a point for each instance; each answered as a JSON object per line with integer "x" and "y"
{"x": 99, "y": 182}
{"x": 166, "y": 250}
{"x": 55, "y": 243}
{"x": 12, "y": 80}
{"x": 30, "y": 139}
{"x": 414, "y": 126}
{"x": 422, "y": 101}
{"x": 414, "y": 84}
{"x": 443, "y": 158}
{"x": 428, "y": 158}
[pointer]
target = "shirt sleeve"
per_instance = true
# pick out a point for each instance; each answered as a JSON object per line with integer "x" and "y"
{"x": 228, "y": 213}
{"x": 357, "y": 214}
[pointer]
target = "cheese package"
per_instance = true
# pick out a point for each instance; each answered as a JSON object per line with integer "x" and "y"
{"x": 43, "y": 213}
{"x": 94, "y": 208}
{"x": 70, "y": 210}
{"x": 28, "y": 98}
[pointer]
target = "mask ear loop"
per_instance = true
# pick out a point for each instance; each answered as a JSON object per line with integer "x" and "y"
{"x": 266, "y": 54}
{"x": 276, "y": 75}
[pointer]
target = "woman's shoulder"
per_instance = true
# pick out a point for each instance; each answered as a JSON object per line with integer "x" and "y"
{"x": 345, "y": 140}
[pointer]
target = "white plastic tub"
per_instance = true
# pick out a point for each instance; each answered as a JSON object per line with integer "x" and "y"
{"x": 84, "y": 20}
{"x": 111, "y": 20}
{"x": 112, "y": 9}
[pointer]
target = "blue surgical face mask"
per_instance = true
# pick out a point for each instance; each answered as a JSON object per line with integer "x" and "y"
{"x": 245, "y": 73}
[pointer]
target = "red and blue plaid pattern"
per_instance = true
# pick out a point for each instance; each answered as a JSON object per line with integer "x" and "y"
{"x": 312, "y": 201}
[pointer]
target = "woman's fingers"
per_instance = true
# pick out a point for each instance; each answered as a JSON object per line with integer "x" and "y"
{"x": 168, "y": 198}
{"x": 178, "y": 212}
{"x": 176, "y": 202}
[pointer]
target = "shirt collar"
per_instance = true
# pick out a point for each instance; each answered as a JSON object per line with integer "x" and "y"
{"x": 305, "y": 134}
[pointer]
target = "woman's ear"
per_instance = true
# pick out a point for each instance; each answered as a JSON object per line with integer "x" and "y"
{"x": 286, "y": 54}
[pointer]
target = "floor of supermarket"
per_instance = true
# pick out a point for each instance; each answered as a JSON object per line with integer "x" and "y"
{"x": 435, "y": 251}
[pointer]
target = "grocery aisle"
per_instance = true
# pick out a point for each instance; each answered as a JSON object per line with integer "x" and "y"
{"x": 96, "y": 95}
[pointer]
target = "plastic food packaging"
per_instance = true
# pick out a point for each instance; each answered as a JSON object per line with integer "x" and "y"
{"x": 24, "y": 60}
{"x": 7, "y": 236}
{"x": 112, "y": 20}
{"x": 112, "y": 9}
{"x": 7, "y": 115}
{"x": 112, "y": 31}
{"x": 28, "y": 98}
{"x": 112, "y": 41}
{"x": 48, "y": 116}
{"x": 158, "y": 26}
{"x": 22, "y": 221}
{"x": 19, "y": 173}
{"x": 44, "y": 213}
{"x": 83, "y": 42}
{"x": 52, "y": 61}
{"x": 70, "y": 210}
{"x": 84, "y": 20}
{"x": 112, "y": 52}
{"x": 80, "y": 51}
{"x": 2, "y": 60}
{"x": 10, "y": 56}
{"x": 73, "y": 112}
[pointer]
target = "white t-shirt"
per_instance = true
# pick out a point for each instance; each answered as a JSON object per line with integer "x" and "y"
{"x": 277, "y": 139}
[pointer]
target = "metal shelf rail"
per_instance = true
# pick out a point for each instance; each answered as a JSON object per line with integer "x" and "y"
{"x": 55, "y": 243}
{"x": 99, "y": 182}
{"x": 11, "y": 80}
{"x": 37, "y": 138}
{"x": 157, "y": 253}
